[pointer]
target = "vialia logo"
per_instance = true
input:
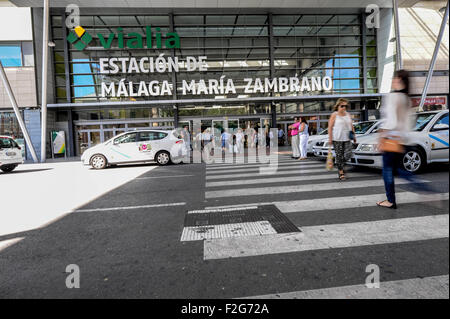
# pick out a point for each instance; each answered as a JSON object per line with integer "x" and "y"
{"x": 80, "y": 39}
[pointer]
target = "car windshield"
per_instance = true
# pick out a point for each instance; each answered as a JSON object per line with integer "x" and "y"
{"x": 422, "y": 120}
{"x": 363, "y": 127}
{"x": 324, "y": 132}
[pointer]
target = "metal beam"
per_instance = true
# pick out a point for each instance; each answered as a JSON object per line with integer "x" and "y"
{"x": 45, "y": 14}
{"x": 169, "y": 103}
{"x": 273, "y": 106}
{"x": 398, "y": 55}
{"x": 433, "y": 59}
{"x": 17, "y": 111}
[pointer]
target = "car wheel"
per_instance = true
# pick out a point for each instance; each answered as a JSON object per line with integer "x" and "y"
{"x": 98, "y": 161}
{"x": 413, "y": 160}
{"x": 162, "y": 158}
{"x": 8, "y": 168}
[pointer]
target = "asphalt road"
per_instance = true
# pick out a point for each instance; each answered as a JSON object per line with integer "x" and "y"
{"x": 128, "y": 244}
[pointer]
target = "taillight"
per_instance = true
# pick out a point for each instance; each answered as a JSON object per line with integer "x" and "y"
{"x": 179, "y": 142}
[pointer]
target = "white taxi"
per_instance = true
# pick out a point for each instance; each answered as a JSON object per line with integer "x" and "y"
{"x": 140, "y": 146}
{"x": 427, "y": 143}
{"x": 10, "y": 154}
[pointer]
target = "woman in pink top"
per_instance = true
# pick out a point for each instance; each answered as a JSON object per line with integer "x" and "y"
{"x": 295, "y": 139}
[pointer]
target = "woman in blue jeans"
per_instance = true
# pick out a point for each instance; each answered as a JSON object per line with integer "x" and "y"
{"x": 396, "y": 112}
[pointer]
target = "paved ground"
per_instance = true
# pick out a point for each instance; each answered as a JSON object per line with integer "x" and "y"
{"x": 130, "y": 239}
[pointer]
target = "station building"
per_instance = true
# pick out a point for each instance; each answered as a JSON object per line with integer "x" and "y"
{"x": 243, "y": 63}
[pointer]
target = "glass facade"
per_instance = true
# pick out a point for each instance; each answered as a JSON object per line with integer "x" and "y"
{"x": 237, "y": 47}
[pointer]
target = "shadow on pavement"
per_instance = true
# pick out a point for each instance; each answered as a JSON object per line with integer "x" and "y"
{"x": 26, "y": 171}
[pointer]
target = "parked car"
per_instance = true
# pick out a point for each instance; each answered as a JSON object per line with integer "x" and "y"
{"x": 162, "y": 147}
{"x": 312, "y": 139}
{"x": 320, "y": 149}
{"x": 427, "y": 143}
{"x": 10, "y": 154}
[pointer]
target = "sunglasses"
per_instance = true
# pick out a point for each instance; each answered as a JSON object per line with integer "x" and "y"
{"x": 343, "y": 105}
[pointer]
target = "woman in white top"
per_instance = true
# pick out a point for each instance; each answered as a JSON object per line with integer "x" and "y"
{"x": 304, "y": 135}
{"x": 340, "y": 133}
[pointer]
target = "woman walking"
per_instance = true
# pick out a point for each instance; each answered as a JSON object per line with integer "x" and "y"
{"x": 340, "y": 134}
{"x": 304, "y": 135}
{"x": 397, "y": 114}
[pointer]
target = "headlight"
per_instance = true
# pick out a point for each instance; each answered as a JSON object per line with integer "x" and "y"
{"x": 368, "y": 148}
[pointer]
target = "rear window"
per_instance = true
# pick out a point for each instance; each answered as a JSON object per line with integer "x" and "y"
{"x": 152, "y": 136}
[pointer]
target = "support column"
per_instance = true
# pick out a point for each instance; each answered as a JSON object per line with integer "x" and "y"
{"x": 398, "y": 55}
{"x": 272, "y": 67}
{"x": 433, "y": 59}
{"x": 70, "y": 136}
{"x": 174, "y": 76}
{"x": 10, "y": 93}
{"x": 44, "y": 81}
{"x": 364, "y": 52}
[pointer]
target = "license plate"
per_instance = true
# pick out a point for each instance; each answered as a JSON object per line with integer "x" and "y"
{"x": 10, "y": 154}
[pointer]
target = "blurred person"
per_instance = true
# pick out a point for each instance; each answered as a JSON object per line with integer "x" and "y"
{"x": 239, "y": 141}
{"x": 281, "y": 137}
{"x": 304, "y": 135}
{"x": 396, "y": 111}
{"x": 187, "y": 140}
{"x": 225, "y": 137}
{"x": 295, "y": 139}
{"x": 340, "y": 133}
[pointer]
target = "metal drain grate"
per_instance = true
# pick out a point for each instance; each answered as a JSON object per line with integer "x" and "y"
{"x": 235, "y": 222}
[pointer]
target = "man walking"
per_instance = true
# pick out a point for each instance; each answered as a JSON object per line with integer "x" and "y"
{"x": 295, "y": 139}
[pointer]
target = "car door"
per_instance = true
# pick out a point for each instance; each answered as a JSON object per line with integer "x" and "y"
{"x": 125, "y": 148}
{"x": 150, "y": 142}
{"x": 148, "y": 145}
{"x": 438, "y": 137}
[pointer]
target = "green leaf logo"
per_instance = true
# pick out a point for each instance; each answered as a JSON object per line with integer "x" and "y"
{"x": 80, "y": 38}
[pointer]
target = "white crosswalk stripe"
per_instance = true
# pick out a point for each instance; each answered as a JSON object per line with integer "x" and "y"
{"x": 208, "y": 168}
{"x": 256, "y": 169}
{"x": 282, "y": 179}
{"x": 435, "y": 287}
{"x": 331, "y": 236}
{"x": 290, "y": 172}
{"x": 296, "y": 189}
{"x": 311, "y": 205}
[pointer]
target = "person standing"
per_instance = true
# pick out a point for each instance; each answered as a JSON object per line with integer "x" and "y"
{"x": 225, "y": 139}
{"x": 340, "y": 133}
{"x": 239, "y": 141}
{"x": 396, "y": 112}
{"x": 304, "y": 135}
{"x": 187, "y": 140}
{"x": 294, "y": 138}
{"x": 281, "y": 137}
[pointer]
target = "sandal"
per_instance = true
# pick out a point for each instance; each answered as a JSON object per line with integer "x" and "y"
{"x": 342, "y": 176}
{"x": 392, "y": 206}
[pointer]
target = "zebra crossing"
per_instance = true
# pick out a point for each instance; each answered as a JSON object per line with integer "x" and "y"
{"x": 327, "y": 214}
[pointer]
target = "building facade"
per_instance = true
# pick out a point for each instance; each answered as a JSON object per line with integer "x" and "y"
{"x": 250, "y": 66}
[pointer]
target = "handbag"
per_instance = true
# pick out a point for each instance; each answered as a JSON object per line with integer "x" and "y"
{"x": 330, "y": 163}
{"x": 390, "y": 145}
{"x": 351, "y": 135}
